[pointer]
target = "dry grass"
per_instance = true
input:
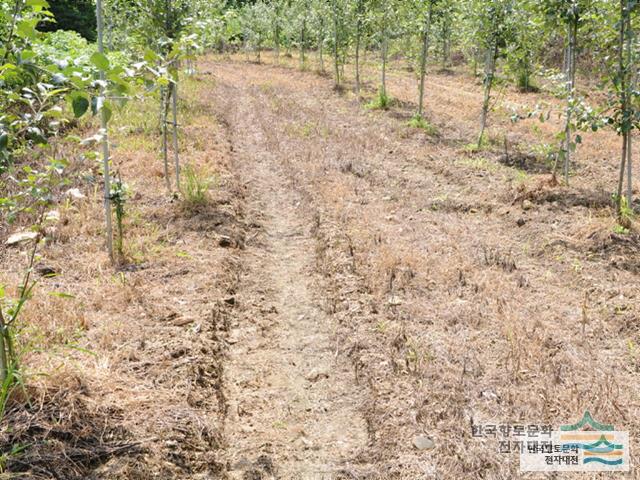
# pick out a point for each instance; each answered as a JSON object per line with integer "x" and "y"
{"x": 140, "y": 339}
{"x": 463, "y": 290}
{"x": 484, "y": 309}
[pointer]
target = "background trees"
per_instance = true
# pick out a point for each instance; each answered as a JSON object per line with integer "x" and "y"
{"x": 525, "y": 46}
{"x": 76, "y": 15}
{"x": 522, "y": 42}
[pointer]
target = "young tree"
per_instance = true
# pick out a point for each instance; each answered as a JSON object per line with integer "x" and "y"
{"x": 526, "y": 44}
{"x": 568, "y": 14}
{"x": 383, "y": 17}
{"x": 444, "y": 15}
{"x": 492, "y": 17}
{"x": 624, "y": 83}
{"x": 319, "y": 14}
{"x": 360, "y": 10}
{"x": 338, "y": 14}
{"x": 300, "y": 16}
{"x": 104, "y": 128}
{"x": 276, "y": 13}
{"x": 425, "y": 12}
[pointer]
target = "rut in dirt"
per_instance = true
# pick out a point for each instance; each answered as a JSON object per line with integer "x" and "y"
{"x": 293, "y": 401}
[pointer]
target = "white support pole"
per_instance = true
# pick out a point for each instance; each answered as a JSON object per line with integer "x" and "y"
{"x": 105, "y": 134}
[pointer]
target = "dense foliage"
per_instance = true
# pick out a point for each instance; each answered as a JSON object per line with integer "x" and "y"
{"x": 73, "y": 15}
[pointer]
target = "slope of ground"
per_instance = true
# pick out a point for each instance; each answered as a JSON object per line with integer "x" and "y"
{"x": 353, "y": 287}
{"x": 459, "y": 296}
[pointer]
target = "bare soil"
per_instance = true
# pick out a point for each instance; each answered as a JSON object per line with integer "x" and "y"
{"x": 293, "y": 405}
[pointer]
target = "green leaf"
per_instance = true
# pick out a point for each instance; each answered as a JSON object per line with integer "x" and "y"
{"x": 106, "y": 109}
{"x": 26, "y": 29}
{"x": 4, "y": 141}
{"x": 27, "y": 55}
{"x": 37, "y": 3}
{"x": 80, "y": 105}
{"x": 98, "y": 105}
{"x": 150, "y": 56}
{"x": 36, "y": 136}
{"x": 61, "y": 295}
{"x": 101, "y": 61}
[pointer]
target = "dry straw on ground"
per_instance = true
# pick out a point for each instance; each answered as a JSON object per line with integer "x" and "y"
{"x": 463, "y": 287}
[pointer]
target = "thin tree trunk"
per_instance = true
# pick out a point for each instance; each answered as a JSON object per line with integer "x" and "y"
{"x": 276, "y": 39}
{"x": 571, "y": 75}
{"x": 4, "y": 365}
{"x": 629, "y": 171}
{"x": 104, "y": 127}
{"x": 176, "y": 153}
{"x": 321, "y": 46}
{"x": 164, "y": 99}
{"x": 335, "y": 44}
{"x": 623, "y": 163}
{"x": 383, "y": 88}
{"x": 475, "y": 62}
{"x": 423, "y": 58}
{"x": 631, "y": 88}
{"x": 444, "y": 47}
{"x": 623, "y": 104}
{"x": 358, "y": 34}
{"x": 490, "y": 66}
{"x": 302, "y": 40}
{"x": 385, "y": 46}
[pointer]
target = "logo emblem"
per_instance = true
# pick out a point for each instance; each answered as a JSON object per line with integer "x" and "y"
{"x": 585, "y": 446}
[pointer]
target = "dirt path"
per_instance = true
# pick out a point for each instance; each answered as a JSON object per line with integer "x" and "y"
{"x": 292, "y": 401}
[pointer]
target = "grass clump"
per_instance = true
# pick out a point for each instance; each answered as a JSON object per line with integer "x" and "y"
{"x": 195, "y": 186}
{"x": 382, "y": 101}
{"x": 480, "y": 163}
{"x": 625, "y": 214}
{"x": 488, "y": 142}
{"x": 621, "y": 230}
{"x": 418, "y": 121}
